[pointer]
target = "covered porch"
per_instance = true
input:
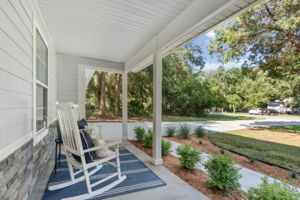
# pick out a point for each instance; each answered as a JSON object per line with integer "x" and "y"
{"x": 109, "y": 36}
{"x": 127, "y": 37}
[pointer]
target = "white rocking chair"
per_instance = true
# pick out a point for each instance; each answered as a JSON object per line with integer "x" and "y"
{"x": 68, "y": 114}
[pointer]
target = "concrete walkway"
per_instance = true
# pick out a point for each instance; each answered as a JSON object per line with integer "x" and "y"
{"x": 250, "y": 178}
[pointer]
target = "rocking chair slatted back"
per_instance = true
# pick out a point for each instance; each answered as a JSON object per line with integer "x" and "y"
{"x": 69, "y": 129}
{"x": 68, "y": 116}
{"x": 77, "y": 112}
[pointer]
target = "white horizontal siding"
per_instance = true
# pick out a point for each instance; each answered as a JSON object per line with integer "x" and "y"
{"x": 16, "y": 34}
{"x": 67, "y": 81}
{"x": 12, "y": 83}
{"x": 13, "y": 100}
{"x": 16, "y": 5}
{"x": 16, "y": 81}
{"x": 16, "y": 122}
{"x": 19, "y": 70}
{"x": 11, "y": 46}
{"x": 16, "y": 19}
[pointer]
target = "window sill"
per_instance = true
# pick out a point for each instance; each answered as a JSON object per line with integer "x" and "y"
{"x": 39, "y": 136}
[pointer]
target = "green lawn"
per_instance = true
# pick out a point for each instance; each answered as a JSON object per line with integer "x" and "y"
{"x": 93, "y": 116}
{"x": 207, "y": 118}
{"x": 277, "y": 145}
{"x": 289, "y": 129}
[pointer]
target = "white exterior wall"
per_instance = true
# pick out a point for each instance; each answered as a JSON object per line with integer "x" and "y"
{"x": 16, "y": 68}
{"x": 68, "y": 82}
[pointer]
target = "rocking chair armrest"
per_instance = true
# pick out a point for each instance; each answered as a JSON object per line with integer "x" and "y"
{"x": 108, "y": 144}
{"x": 113, "y": 143}
{"x": 89, "y": 128}
{"x": 84, "y": 129}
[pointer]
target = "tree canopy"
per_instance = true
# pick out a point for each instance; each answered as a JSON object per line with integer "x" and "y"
{"x": 241, "y": 89}
{"x": 266, "y": 36}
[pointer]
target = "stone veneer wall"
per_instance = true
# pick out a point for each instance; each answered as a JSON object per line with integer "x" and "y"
{"x": 24, "y": 174}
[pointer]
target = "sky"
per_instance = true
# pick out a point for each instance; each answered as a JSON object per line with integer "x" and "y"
{"x": 211, "y": 62}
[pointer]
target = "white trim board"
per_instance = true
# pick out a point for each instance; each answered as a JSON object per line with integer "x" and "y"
{"x": 102, "y": 69}
{"x": 12, "y": 147}
{"x": 39, "y": 136}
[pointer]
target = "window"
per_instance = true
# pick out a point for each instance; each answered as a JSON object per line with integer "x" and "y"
{"x": 41, "y": 85}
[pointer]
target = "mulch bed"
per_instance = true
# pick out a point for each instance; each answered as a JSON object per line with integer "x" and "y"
{"x": 197, "y": 178}
{"x": 208, "y": 147}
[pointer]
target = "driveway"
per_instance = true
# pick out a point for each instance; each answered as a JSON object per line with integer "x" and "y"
{"x": 241, "y": 124}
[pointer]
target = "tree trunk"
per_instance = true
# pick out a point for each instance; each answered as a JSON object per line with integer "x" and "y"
{"x": 116, "y": 94}
{"x": 120, "y": 92}
{"x": 103, "y": 94}
{"x": 97, "y": 83}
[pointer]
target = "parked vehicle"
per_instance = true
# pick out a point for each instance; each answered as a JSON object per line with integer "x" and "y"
{"x": 269, "y": 112}
{"x": 255, "y": 111}
{"x": 276, "y": 105}
{"x": 284, "y": 106}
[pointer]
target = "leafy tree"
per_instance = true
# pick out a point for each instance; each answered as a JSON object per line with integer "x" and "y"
{"x": 140, "y": 92}
{"x": 244, "y": 89}
{"x": 267, "y": 36}
{"x": 184, "y": 92}
{"x": 226, "y": 83}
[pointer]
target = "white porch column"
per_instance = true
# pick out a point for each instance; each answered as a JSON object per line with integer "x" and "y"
{"x": 124, "y": 108}
{"x": 157, "y": 113}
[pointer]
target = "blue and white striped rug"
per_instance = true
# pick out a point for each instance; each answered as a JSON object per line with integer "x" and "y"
{"x": 139, "y": 177}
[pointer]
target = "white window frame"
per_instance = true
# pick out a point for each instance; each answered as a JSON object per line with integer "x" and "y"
{"x": 38, "y": 135}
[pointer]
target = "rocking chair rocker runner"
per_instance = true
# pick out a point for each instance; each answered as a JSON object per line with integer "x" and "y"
{"x": 68, "y": 115}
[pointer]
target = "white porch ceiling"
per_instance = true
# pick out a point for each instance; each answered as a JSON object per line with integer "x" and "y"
{"x": 123, "y": 31}
{"x": 107, "y": 29}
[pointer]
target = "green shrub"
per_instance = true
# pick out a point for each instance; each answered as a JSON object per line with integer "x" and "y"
{"x": 139, "y": 133}
{"x": 223, "y": 175}
{"x": 189, "y": 156}
{"x": 222, "y": 151}
{"x": 199, "y": 132}
{"x": 171, "y": 131}
{"x": 184, "y": 131}
{"x": 252, "y": 158}
{"x": 148, "y": 139}
{"x": 273, "y": 191}
{"x": 200, "y": 142}
{"x": 294, "y": 174}
{"x": 136, "y": 108}
{"x": 165, "y": 147}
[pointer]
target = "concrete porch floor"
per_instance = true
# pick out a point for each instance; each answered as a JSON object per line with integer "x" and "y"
{"x": 176, "y": 188}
